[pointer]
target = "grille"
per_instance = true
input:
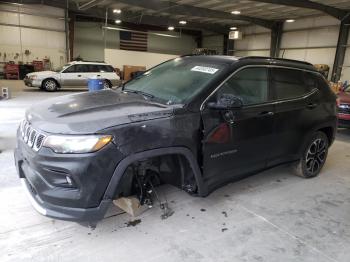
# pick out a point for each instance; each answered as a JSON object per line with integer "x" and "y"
{"x": 30, "y": 136}
{"x": 344, "y": 109}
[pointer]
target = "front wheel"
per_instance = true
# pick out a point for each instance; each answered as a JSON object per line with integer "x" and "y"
{"x": 50, "y": 85}
{"x": 314, "y": 156}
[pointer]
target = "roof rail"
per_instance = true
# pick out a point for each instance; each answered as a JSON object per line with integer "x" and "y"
{"x": 279, "y": 59}
{"x": 88, "y": 61}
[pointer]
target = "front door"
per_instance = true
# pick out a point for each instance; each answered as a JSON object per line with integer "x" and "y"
{"x": 75, "y": 75}
{"x": 238, "y": 141}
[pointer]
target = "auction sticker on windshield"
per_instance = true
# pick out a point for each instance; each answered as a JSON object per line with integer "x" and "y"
{"x": 205, "y": 69}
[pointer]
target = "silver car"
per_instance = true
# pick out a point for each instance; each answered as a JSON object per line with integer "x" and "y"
{"x": 74, "y": 74}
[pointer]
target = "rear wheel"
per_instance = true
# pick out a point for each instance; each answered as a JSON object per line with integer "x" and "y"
{"x": 107, "y": 84}
{"x": 314, "y": 156}
{"x": 50, "y": 85}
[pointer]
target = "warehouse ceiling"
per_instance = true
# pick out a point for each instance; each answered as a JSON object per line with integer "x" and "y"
{"x": 212, "y": 15}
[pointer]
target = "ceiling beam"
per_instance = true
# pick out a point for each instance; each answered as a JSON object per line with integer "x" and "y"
{"x": 127, "y": 16}
{"x": 189, "y": 10}
{"x": 332, "y": 11}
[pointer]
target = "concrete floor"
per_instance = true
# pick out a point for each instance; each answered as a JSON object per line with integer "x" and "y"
{"x": 272, "y": 216}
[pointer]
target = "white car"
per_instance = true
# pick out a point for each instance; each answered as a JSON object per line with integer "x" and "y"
{"x": 73, "y": 74}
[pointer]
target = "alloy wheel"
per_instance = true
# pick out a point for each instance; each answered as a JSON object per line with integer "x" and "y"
{"x": 50, "y": 85}
{"x": 316, "y": 155}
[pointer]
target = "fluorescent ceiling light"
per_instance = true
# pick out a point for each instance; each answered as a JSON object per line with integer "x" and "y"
{"x": 129, "y": 30}
{"x": 118, "y": 21}
{"x": 171, "y": 28}
{"x": 117, "y": 11}
{"x": 182, "y": 22}
{"x": 290, "y": 20}
{"x": 233, "y": 28}
{"x": 235, "y": 12}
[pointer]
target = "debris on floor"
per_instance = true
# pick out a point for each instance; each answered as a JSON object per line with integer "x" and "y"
{"x": 130, "y": 205}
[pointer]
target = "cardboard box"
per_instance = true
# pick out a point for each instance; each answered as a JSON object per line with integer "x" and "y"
{"x": 130, "y": 205}
{"x": 128, "y": 69}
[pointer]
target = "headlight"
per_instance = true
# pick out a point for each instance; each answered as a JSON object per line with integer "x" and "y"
{"x": 77, "y": 144}
{"x": 33, "y": 77}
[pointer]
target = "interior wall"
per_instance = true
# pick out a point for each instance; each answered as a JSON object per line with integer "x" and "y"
{"x": 46, "y": 42}
{"x": 214, "y": 42}
{"x": 311, "y": 39}
{"x": 345, "y": 75}
{"x": 119, "y": 58}
{"x": 255, "y": 42}
{"x": 89, "y": 42}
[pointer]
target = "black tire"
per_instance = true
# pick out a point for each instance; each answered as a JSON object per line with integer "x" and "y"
{"x": 314, "y": 156}
{"x": 50, "y": 85}
{"x": 107, "y": 84}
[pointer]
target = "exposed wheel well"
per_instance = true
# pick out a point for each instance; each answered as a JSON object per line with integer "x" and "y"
{"x": 173, "y": 169}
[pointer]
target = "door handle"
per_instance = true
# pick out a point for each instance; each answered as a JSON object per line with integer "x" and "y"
{"x": 311, "y": 105}
{"x": 266, "y": 113}
{"x": 98, "y": 75}
{"x": 79, "y": 75}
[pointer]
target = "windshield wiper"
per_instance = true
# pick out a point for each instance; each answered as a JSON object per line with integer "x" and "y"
{"x": 139, "y": 92}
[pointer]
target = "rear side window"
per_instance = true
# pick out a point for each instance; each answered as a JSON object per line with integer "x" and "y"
{"x": 311, "y": 80}
{"x": 289, "y": 83}
{"x": 250, "y": 84}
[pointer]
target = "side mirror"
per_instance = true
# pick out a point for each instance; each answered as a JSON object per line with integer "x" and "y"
{"x": 226, "y": 101}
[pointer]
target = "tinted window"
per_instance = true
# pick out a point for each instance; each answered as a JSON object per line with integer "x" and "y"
{"x": 250, "y": 84}
{"x": 77, "y": 69}
{"x": 81, "y": 68}
{"x": 288, "y": 83}
{"x": 70, "y": 69}
{"x": 311, "y": 80}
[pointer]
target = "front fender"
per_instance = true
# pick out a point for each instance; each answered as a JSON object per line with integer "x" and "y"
{"x": 127, "y": 161}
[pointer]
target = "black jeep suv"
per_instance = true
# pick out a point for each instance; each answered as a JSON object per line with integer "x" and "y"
{"x": 195, "y": 122}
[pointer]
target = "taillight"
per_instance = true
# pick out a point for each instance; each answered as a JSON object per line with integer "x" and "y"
{"x": 338, "y": 102}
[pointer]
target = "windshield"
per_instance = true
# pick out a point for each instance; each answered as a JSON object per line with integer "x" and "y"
{"x": 175, "y": 81}
{"x": 347, "y": 89}
{"x": 62, "y": 68}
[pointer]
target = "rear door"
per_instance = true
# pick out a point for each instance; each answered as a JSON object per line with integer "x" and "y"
{"x": 297, "y": 101}
{"x": 238, "y": 141}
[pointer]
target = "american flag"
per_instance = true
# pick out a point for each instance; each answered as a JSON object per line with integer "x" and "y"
{"x": 134, "y": 41}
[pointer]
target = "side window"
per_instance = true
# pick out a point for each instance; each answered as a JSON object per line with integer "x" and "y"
{"x": 311, "y": 80}
{"x": 70, "y": 69}
{"x": 81, "y": 68}
{"x": 250, "y": 84}
{"x": 289, "y": 83}
{"x": 109, "y": 69}
{"x": 94, "y": 68}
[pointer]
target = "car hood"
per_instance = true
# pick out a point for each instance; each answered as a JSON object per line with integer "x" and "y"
{"x": 90, "y": 112}
{"x": 42, "y": 73}
{"x": 344, "y": 97}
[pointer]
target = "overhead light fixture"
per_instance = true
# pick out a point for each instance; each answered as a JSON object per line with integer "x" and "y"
{"x": 290, "y": 20}
{"x": 233, "y": 28}
{"x": 117, "y": 11}
{"x": 118, "y": 21}
{"x": 182, "y": 22}
{"x": 235, "y": 12}
{"x": 171, "y": 28}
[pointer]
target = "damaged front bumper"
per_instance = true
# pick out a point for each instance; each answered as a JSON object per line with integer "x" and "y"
{"x": 43, "y": 176}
